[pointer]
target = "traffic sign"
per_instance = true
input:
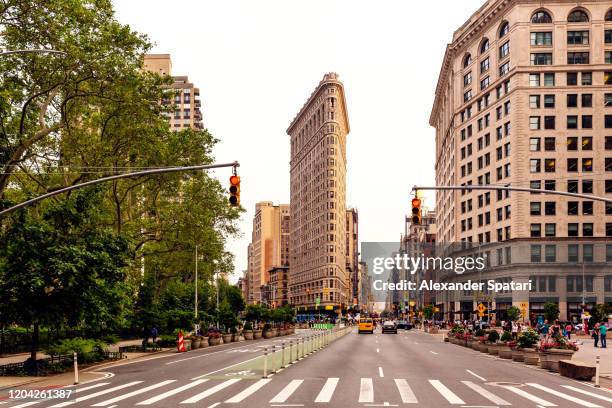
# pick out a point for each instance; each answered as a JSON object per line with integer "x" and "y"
{"x": 317, "y": 301}
{"x": 481, "y": 308}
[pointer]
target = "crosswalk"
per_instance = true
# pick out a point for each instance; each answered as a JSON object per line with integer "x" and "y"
{"x": 324, "y": 392}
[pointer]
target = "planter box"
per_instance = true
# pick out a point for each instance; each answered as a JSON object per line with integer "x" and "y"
{"x": 531, "y": 356}
{"x": 257, "y": 334}
{"x": 433, "y": 330}
{"x": 475, "y": 345}
{"x": 483, "y": 347}
{"x": 195, "y": 343}
{"x": 248, "y": 334}
{"x": 214, "y": 341}
{"x": 187, "y": 344}
{"x": 549, "y": 359}
{"x": 504, "y": 352}
{"x": 204, "y": 342}
{"x": 226, "y": 338}
{"x": 469, "y": 343}
{"x": 576, "y": 370}
{"x": 268, "y": 334}
{"x": 236, "y": 337}
{"x": 518, "y": 355}
{"x": 493, "y": 349}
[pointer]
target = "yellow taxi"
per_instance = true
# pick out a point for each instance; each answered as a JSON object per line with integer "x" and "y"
{"x": 366, "y": 325}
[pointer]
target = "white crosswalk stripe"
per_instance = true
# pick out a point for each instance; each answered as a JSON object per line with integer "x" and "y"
{"x": 486, "y": 393}
{"x": 210, "y": 391}
{"x": 564, "y": 396}
{"x": 450, "y": 396}
{"x": 248, "y": 391}
{"x": 531, "y": 397}
{"x": 287, "y": 391}
{"x": 133, "y": 393}
{"x": 585, "y": 392}
{"x": 29, "y": 404}
{"x": 96, "y": 394}
{"x": 327, "y": 391}
{"x": 172, "y": 392}
{"x": 366, "y": 390}
{"x": 405, "y": 391}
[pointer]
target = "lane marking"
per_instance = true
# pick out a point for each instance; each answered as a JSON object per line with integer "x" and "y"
{"x": 327, "y": 391}
{"x": 171, "y": 392}
{"x": 210, "y": 391}
{"x": 405, "y": 391}
{"x": 214, "y": 405}
{"x": 378, "y": 350}
{"x": 486, "y": 393}
{"x": 380, "y": 372}
{"x": 96, "y": 394}
{"x": 541, "y": 402}
{"x": 564, "y": 396}
{"x": 131, "y": 394}
{"x": 450, "y": 396}
{"x": 433, "y": 352}
{"x": 248, "y": 391}
{"x": 592, "y": 394}
{"x": 225, "y": 368}
{"x": 287, "y": 391}
{"x": 476, "y": 375}
{"x": 366, "y": 390}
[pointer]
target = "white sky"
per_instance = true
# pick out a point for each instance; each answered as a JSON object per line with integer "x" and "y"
{"x": 257, "y": 61}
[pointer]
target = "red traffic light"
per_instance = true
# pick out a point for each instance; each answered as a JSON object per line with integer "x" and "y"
{"x": 234, "y": 180}
{"x": 416, "y": 202}
{"x": 234, "y": 191}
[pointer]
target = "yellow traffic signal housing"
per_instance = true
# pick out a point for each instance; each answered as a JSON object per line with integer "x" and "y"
{"x": 234, "y": 191}
{"x": 416, "y": 211}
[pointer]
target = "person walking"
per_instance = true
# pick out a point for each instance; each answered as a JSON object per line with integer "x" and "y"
{"x": 603, "y": 330}
{"x": 568, "y": 330}
{"x": 595, "y": 334}
{"x": 515, "y": 329}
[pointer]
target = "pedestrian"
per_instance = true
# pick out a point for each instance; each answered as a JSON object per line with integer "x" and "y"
{"x": 154, "y": 334}
{"x": 603, "y": 330}
{"x": 595, "y": 334}
{"x": 515, "y": 329}
{"x": 568, "y": 330}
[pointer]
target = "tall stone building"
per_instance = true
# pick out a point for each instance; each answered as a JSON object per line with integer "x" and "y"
{"x": 318, "y": 273}
{"x": 524, "y": 98}
{"x": 186, "y": 97}
{"x": 269, "y": 248}
{"x": 352, "y": 254}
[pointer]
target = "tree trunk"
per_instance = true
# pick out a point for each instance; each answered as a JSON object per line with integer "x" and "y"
{"x": 34, "y": 345}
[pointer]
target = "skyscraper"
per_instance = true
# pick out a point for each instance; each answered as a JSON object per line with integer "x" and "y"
{"x": 318, "y": 275}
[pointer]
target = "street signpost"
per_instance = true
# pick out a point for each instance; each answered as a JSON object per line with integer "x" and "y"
{"x": 523, "y": 306}
{"x": 481, "y": 309}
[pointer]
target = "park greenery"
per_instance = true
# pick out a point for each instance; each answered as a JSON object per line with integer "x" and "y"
{"x": 119, "y": 257}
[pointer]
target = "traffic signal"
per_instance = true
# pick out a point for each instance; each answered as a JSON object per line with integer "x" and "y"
{"x": 416, "y": 211}
{"x": 234, "y": 191}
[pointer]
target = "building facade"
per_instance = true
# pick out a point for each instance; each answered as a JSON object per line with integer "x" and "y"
{"x": 185, "y": 96}
{"x": 318, "y": 276}
{"x": 352, "y": 254}
{"x": 269, "y": 246}
{"x": 524, "y": 98}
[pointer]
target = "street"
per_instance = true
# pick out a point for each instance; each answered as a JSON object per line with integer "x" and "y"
{"x": 356, "y": 370}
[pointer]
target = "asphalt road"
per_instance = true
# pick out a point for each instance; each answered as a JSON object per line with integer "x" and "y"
{"x": 410, "y": 368}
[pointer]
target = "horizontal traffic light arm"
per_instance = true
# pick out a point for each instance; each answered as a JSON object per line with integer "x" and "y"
{"x": 161, "y": 170}
{"x": 521, "y": 189}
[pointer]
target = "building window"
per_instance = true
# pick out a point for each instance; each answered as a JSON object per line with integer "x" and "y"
{"x": 608, "y": 37}
{"x": 504, "y": 50}
{"x": 550, "y": 253}
{"x": 572, "y": 78}
{"x": 549, "y": 165}
{"x": 587, "y": 100}
{"x": 574, "y": 58}
{"x": 587, "y": 143}
{"x": 549, "y": 101}
{"x": 587, "y": 164}
{"x": 484, "y": 65}
{"x": 484, "y": 46}
{"x": 467, "y": 95}
{"x": 541, "y": 38}
{"x": 608, "y": 57}
{"x": 572, "y": 122}
{"x": 572, "y": 253}
{"x": 577, "y": 37}
{"x": 467, "y": 60}
{"x": 550, "y": 230}
{"x": 587, "y": 122}
{"x": 534, "y": 145}
{"x": 536, "y": 230}
{"x": 536, "y": 253}
{"x": 587, "y": 229}
{"x": 534, "y": 79}
{"x": 549, "y": 79}
{"x": 534, "y": 122}
{"x": 485, "y": 83}
{"x": 549, "y": 122}
{"x": 504, "y": 69}
{"x": 549, "y": 144}
{"x": 535, "y": 208}
{"x": 577, "y": 16}
{"x": 541, "y": 58}
{"x": 534, "y": 165}
{"x": 467, "y": 79}
{"x": 587, "y": 208}
{"x": 534, "y": 101}
{"x": 572, "y": 229}
{"x": 541, "y": 17}
{"x": 587, "y": 78}
{"x": 572, "y": 165}
{"x": 504, "y": 29}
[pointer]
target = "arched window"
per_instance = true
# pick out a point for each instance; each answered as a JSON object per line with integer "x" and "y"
{"x": 484, "y": 45}
{"x": 504, "y": 29}
{"x": 541, "y": 17}
{"x": 467, "y": 60}
{"x": 609, "y": 15}
{"x": 578, "y": 16}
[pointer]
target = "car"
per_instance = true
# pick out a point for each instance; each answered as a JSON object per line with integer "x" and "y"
{"x": 389, "y": 327}
{"x": 366, "y": 325}
{"x": 402, "y": 324}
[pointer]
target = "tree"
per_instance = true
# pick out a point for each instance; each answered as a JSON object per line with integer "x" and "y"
{"x": 551, "y": 311}
{"x": 599, "y": 314}
{"x": 60, "y": 269}
{"x": 513, "y": 313}
{"x": 428, "y": 311}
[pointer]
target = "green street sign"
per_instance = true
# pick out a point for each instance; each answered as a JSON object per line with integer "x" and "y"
{"x": 317, "y": 301}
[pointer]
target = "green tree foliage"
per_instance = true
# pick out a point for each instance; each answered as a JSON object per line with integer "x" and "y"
{"x": 428, "y": 311}
{"x": 60, "y": 269}
{"x": 551, "y": 311}
{"x": 513, "y": 313}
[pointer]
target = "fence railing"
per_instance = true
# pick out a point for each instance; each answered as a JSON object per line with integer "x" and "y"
{"x": 53, "y": 364}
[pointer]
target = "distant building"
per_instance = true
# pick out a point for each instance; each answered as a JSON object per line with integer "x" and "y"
{"x": 186, "y": 96}
{"x": 275, "y": 291}
{"x": 352, "y": 254}
{"x": 318, "y": 277}
{"x": 269, "y": 246}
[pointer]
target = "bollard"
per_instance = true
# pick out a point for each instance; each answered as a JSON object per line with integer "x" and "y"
{"x": 76, "y": 369}
{"x": 265, "y": 368}
{"x": 597, "y": 371}
{"x": 282, "y": 365}
{"x": 274, "y": 359}
{"x": 290, "y": 361}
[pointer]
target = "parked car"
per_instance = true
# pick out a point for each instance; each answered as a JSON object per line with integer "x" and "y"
{"x": 389, "y": 327}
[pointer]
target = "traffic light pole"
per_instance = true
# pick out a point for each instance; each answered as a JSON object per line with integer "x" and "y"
{"x": 521, "y": 189}
{"x": 163, "y": 170}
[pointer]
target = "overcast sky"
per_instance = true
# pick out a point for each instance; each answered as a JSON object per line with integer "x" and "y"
{"x": 257, "y": 61}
